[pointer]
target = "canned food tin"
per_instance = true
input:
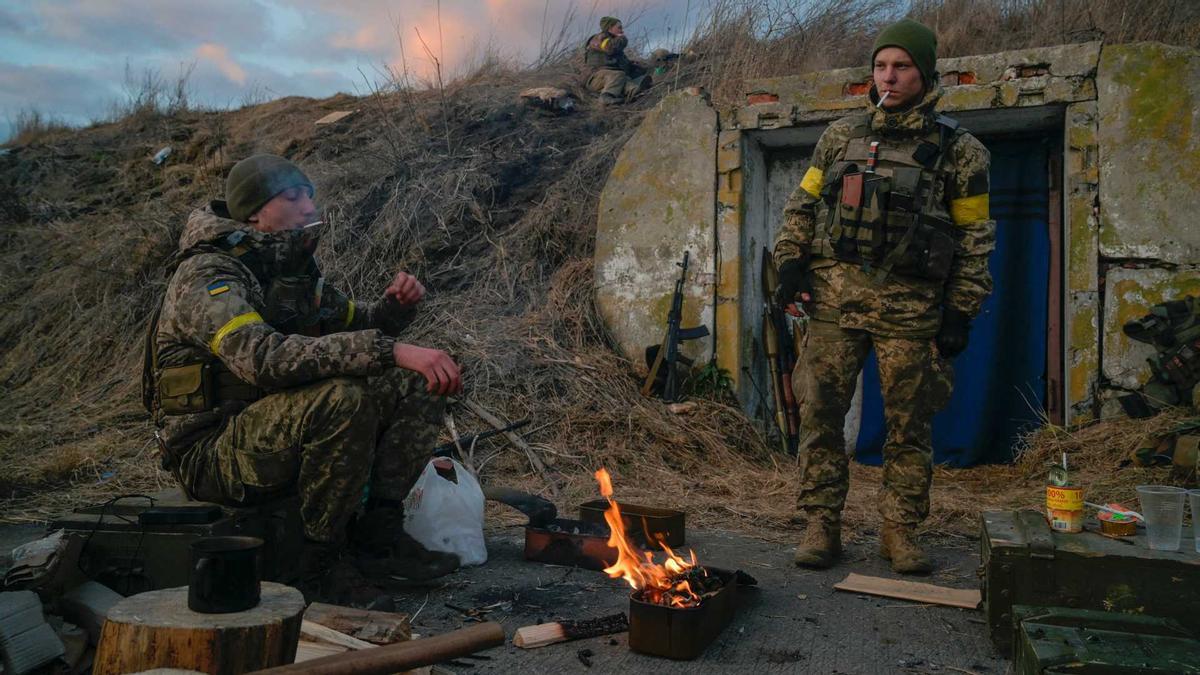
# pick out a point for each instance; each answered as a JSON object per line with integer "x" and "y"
{"x": 1064, "y": 508}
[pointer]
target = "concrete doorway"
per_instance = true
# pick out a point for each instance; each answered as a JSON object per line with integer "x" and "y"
{"x": 1011, "y": 375}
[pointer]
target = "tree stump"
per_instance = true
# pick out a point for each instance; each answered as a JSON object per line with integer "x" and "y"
{"x": 157, "y": 630}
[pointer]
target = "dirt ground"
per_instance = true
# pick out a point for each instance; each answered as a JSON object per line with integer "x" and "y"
{"x": 793, "y": 622}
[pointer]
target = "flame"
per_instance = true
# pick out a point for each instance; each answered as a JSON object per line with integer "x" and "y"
{"x": 663, "y": 584}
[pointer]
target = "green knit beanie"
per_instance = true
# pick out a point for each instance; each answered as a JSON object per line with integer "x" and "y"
{"x": 915, "y": 38}
{"x": 607, "y": 22}
{"x": 253, "y": 181}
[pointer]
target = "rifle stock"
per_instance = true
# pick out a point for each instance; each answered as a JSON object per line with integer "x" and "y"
{"x": 667, "y": 353}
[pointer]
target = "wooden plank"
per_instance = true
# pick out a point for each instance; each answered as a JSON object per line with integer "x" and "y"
{"x": 381, "y": 628}
{"x": 316, "y": 631}
{"x": 336, "y": 116}
{"x": 307, "y": 650}
{"x": 911, "y": 590}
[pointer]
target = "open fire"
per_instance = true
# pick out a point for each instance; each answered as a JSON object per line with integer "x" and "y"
{"x": 675, "y": 583}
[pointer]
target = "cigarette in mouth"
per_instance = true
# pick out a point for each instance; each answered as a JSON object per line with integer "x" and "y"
{"x": 882, "y": 99}
{"x": 314, "y": 224}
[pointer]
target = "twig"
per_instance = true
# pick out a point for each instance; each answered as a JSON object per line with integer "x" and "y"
{"x": 413, "y": 620}
{"x": 516, "y": 440}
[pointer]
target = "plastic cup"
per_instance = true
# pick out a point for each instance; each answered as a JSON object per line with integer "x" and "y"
{"x": 1162, "y": 507}
{"x": 1194, "y": 498}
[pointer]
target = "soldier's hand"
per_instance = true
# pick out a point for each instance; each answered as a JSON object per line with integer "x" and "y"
{"x": 440, "y": 371}
{"x": 405, "y": 290}
{"x": 795, "y": 283}
{"x": 952, "y": 337}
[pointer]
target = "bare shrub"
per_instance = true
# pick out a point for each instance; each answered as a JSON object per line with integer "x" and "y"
{"x": 31, "y": 125}
{"x": 744, "y": 39}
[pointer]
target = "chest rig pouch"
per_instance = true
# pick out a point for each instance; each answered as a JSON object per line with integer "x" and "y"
{"x": 886, "y": 220}
{"x": 196, "y": 387}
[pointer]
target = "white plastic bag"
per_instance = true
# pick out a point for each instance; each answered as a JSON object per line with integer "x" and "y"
{"x": 446, "y": 513}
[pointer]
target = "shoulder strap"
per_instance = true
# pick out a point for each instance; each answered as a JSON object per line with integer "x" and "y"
{"x": 150, "y": 360}
{"x": 860, "y": 125}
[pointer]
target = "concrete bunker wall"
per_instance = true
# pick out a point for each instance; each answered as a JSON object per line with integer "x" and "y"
{"x": 1129, "y": 125}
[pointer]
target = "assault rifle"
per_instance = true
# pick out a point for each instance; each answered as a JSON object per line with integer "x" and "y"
{"x": 666, "y": 380}
{"x": 451, "y": 448}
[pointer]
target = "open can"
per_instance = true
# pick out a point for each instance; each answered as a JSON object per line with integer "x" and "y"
{"x": 1064, "y": 508}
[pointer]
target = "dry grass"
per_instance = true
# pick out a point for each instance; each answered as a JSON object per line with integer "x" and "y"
{"x": 745, "y": 39}
{"x": 32, "y": 125}
{"x": 493, "y": 206}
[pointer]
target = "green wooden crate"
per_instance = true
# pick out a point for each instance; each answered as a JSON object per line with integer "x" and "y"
{"x": 1025, "y": 563}
{"x": 1060, "y": 641}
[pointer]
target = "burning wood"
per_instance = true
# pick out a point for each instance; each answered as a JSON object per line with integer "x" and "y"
{"x": 674, "y": 583}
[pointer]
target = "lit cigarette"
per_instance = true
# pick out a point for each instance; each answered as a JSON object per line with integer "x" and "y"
{"x": 882, "y": 99}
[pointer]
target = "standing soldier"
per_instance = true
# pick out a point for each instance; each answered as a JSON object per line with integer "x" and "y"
{"x": 266, "y": 380}
{"x": 885, "y": 243}
{"x": 613, "y": 75}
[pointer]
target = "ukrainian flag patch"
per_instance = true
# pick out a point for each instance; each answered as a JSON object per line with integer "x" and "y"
{"x": 218, "y": 287}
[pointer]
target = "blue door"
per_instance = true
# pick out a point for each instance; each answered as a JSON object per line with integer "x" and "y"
{"x": 1000, "y": 380}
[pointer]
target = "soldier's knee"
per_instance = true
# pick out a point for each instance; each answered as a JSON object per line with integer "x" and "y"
{"x": 343, "y": 397}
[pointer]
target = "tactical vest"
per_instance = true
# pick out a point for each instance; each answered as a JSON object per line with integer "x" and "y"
{"x": 1173, "y": 328}
{"x": 885, "y": 218}
{"x": 292, "y": 304}
{"x": 596, "y": 58}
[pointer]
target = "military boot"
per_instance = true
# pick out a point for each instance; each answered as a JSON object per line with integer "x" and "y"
{"x": 898, "y": 543}
{"x": 385, "y": 547}
{"x": 821, "y": 544}
{"x": 325, "y": 574}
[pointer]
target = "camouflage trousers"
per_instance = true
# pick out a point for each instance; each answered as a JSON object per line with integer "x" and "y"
{"x": 618, "y": 84}
{"x": 324, "y": 441}
{"x": 915, "y": 381}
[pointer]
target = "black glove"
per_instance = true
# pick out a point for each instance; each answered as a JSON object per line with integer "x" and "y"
{"x": 952, "y": 336}
{"x": 794, "y": 279}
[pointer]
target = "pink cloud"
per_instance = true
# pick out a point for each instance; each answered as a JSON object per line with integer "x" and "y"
{"x": 218, "y": 55}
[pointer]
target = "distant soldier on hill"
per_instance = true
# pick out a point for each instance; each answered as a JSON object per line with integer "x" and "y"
{"x": 885, "y": 244}
{"x": 265, "y": 380}
{"x": 613, "y": 75}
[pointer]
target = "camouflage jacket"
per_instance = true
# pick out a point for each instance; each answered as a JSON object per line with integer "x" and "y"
{"x": 606, "y": 51}
{"x": 899, "y": 306}
{"x": 220, "y": 307}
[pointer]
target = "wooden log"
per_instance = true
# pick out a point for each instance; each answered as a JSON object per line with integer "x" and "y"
{"x": 381, "y": 628}
{"x": 402, "y": 655}
{"x": 542, "y": 634}
{"x": 157, "y": 630}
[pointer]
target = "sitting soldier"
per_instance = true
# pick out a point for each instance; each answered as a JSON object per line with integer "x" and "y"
{"x": 266, "y": 380}
{"x": 613, "y": 75}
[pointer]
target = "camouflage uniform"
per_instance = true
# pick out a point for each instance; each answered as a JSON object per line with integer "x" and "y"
{"x": 613, "y": 74}
{"x": 300, "y": 391}
{"x": 856, "y": 307}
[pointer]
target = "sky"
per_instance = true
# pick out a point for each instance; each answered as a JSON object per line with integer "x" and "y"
{"x": 72, "y": 59}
